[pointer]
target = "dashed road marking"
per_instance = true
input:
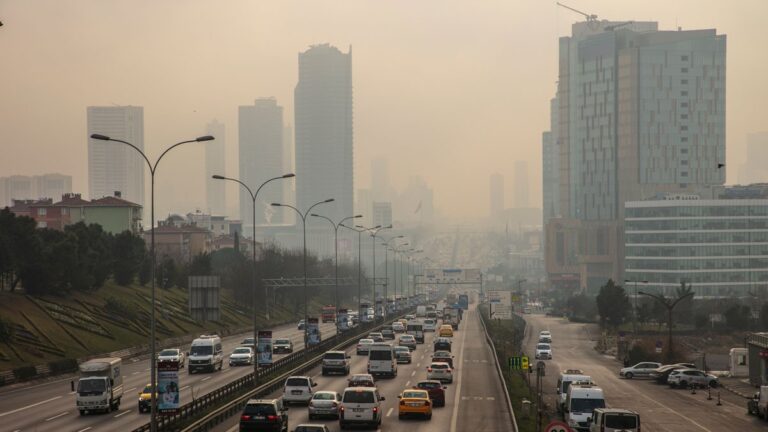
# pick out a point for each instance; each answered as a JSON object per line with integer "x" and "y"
{"x": 455, "y": 415}
{"x": 184, "y": 388}
{"x": 490, "y": 398}
{"x": 390, "y": 412}
{"x": 418, "y": 364}
{"x": 413, "y": 373}
{"x": 407, "y": 383}
{"x": 136, "y": 373}
{"x": 122, "y": 413}
{"x": 131, "y": 389}
{"x": 205, "y": 379}
{"x": 29, "y": 406}
{"x": 81, "y": 430}
{"x": 57, "y": 416}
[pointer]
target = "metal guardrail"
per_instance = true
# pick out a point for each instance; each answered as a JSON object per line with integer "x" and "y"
{"x": 221, "y": 400}
{"x": 498, "y": 370}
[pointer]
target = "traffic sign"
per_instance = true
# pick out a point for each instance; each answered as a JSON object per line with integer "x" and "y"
{"x": 518, "y": 363}
{"x": 524, "y": 363}
{"x": 557, "y": 426}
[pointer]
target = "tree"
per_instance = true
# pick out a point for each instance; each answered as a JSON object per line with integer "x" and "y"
{"x": 738, "y": 316}
{"x": 145, "y": 272}
{"x": 166, "y": 273}
{"x": 128, "y": 253}
{"x": 612, "y": 304}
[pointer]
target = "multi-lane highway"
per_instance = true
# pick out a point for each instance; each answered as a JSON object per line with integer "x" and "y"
{"x": 51, "y": 406}
{"x": 661, "y": 408}
{"x": 474, "y": 402}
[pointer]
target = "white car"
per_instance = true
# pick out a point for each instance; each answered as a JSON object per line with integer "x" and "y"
{"x": 398, "y": 327}
{"x": 363, "y": 346}
{"x": 360, "y": 405}
{"x": 639, "y": 370}
{"x": 543, "y": 351}
{"x": 440, "y": 371}
{"x": 298, "y": 389}
{"x": 324, "y": 403}
{"x": 691, "y": 377}
{"x": 429, "y": 325}
{"x": 171, "y": 354}
{"x": 241, "y": 356}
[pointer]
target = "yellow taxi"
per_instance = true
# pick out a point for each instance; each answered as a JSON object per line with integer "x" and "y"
{"x": 414, "y": 403}
{"x": 145, "y": 399}
{"x": 445, "y": 331}
{"x": 404, "y": 321}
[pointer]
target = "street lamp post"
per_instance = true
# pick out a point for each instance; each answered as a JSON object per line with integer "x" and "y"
{"x": 336, "y": 256}
{"x": 386, "y": 273}
{"x": 634, "y": 312}
{"x": 670, "y": 308}
{"x": 374, "y": 232}
{"x": 152, "y": 344}
{"x": 359, "y": 269}
{"x": 396, "y": 249}
{"x": 253, "y": 268}
{"x": 303, "y": 217}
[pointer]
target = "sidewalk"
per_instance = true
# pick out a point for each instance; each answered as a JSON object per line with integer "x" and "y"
{"x": 738, "y": 386}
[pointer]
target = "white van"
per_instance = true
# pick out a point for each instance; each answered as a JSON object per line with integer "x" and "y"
{"x": 582, "y": 400}
{"x": 382, "y": 360}
{"x": 415, "y": 328}
{"x": 298, "y": 389}
{"x": 205, "y": 353}
{"x": 564, "y": 381}
{"x": 360, "y": 405}
{"x": 614, "y": 420}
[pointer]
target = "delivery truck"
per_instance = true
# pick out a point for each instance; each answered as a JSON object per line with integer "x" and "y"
{"x": 100, "y": 386}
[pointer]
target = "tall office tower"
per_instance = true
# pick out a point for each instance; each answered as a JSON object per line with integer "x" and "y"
{"x": 114, "y": 166}
{"x": 380, "y": 187}
{"x": 20, "y": 187}
{"x": 289, "y": 188}
{"x": 521, "y": 185}
{"x": 363, "y": 206}
{"x": 550, "y": 167}
{"x": 754, "y": 169}
{"x": 261, "y": 158}
{"x": 215, "y": 163}
{"x": 324, "y": 145}
{"x": 496, "y": 196}
{"x": 642, "y": 112}
{"x": 382, "y": 213}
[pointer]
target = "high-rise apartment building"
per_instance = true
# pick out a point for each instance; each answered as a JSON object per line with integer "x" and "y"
{"x": 640, "y": 112}
{"x": 215, "y": 163}
{"x": 550, "y": 157}
{"x": 19, "y": 187}
{"x": 115, "y": 167}
{"x": 496, "y": 196}
{"x": 260, "y": 129}
{"x": 323, "y": 134}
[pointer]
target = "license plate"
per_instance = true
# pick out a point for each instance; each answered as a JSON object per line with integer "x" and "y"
{"x": 358, "y": 410}
{"x": 259, "y": 417}
{"x": 296, "y": 392}
{"x": 414, "y": 404}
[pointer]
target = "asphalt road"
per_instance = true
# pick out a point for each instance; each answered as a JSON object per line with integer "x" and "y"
{"x": 51, "y": 406}
{"x": 661, "y": 409}
{"x": 474, "y": 402}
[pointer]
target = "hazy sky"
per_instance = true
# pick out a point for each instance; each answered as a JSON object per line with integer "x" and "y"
{"x": 447, "y": 89}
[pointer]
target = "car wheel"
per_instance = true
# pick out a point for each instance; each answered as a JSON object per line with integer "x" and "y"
{"x": 628, "y": 375}
{"x": 429, "y": 416}
{"x": 713, "y": 383}
{"x": 683, "y": 384}
{"x": 311, "y": 416}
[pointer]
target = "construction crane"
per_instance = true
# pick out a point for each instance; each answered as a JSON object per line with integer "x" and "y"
{"x": 591, "y": 18}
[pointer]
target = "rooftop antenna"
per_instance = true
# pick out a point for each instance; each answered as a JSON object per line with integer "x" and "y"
{"x": 591, "y": 18}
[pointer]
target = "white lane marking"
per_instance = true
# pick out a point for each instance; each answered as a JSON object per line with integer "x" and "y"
{"x": 674, "y": 412}
{"x": 184, "y": 388}
{"x": 135, "y": 373}
{"x": 407, "y": 383}
{"x": 131, "y": 389}
{"x": 205, "y": 379}
{"x": 456, "y": 399}
{"x": 57, "y": 416}
{"x": 81, "y": 430}
{"x": 413, "y": 373}
{"x": 234, "y": 428}
{"x": 122, "y": 413}
{"x": 146, "y": 370}
{"x": 73, "y": 392}
{"x": 490, "y": 398}
{"x": 390, "y": 412}
{"x": 418, "y": 364}
{"x": 29, "y": 406}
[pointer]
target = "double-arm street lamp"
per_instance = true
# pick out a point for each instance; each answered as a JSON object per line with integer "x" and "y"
{"x": 670, "y": 308}
{"x": 359, "y": 229}
{"x": 336, "y": 255}
{"x": 374, "y": 232}
{"x": 253, "y": 268}
{"x": 303, "y": 217}
{"x": 153, "y": 347}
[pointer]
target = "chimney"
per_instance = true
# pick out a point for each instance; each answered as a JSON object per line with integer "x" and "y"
{"x": 118, "y": 194}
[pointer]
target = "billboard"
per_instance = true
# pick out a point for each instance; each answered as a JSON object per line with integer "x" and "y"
{"x": 452, "y": 275}
{"x": 204, "y": 298}
{"x": 500, "y": 303}
{"x": 343, "y": 320}
{"x": 168, "y": 387}
{"x": 264, "y": 348}
{"x": 313, "y": 332}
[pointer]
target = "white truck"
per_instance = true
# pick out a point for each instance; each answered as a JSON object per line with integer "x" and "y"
{"x": 421, "y": 311}
{"x": 100, "y": 386}
{"x": 451, "y": 316}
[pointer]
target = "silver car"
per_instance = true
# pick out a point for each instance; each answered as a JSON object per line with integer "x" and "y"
{"x": 171, "y": 354}
{"x": 691, "y": 377}
{"x": 324, "y": 403}
{"x": 639, "y": 370}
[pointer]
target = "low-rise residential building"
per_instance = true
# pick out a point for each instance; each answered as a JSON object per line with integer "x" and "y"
{"x": 180, "y": 243}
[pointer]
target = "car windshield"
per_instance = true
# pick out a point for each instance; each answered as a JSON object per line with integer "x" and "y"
{"x": 439, "y": 366}
{"x": 241, "y": 351}
{"x": 430, "y": 385}
{"x": 297, "y": 382}
{"x": 414, "y": 327}
{"x": 542, "y": 346}
{"x": 619, "y": 421}
{"x": 259, "y": 409}
{"x": 324, "y": 396}
{"x": 91, "y": 386}
{"x": 169, "y": 352}
{"x": 406, "y": 338}
{"x": 586, "y": 405}
{"x": 147, "y": 389}
{"x": 282, "y": 341}
{"x": 200, "y": 350}
{"x": 429, "y": 321}
{"x": 335, "y": 356}
{"x": 402, "y": 349}
{"x": 380, "y": 354}
{"x": 415, "y": 394}
{"x": 358, "y": 396}
{"x": 366, "y": 341}
{"x": 441, "y": 354}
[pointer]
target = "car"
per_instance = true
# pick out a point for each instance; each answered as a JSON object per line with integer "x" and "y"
{"x": 580, "y": 402}
{"x": 145, "y": 399}
{"x": 361, "y": 380}
{"x": 282, "y": 346}
{"x": 643, "y": 369}
{"x": 407, "y": 341}
{"x": 241, "y": 356}
{"x": 264, "y": 415}
{"x": 360, "y": 405}
{"x": 409, "y": 317}
{"x": 382, "y": 360}
{"x": 614, "y": 420}
{"x": 298, "y": 389}
{"x": 248, "y": 342}
{"x": 398, "y": 327}
{"x": 436, "y": 391}
{"x": 440, "y": 371}
{"x": 323, "y": 404}
{"x": 445, "y": 330}
{"x": 691, "y": 377}
{"x": 545, "y": 333}
{"x": 403, "y": 354}
{"x": 439, "y": 314}
{"x": 376, "y": 336}
{"x": 335, "y": 362}
{"x": 173, "y": 355}
{"x": 661, "y": 375}
{"x": 388, "y": 332}
{"x": 301, "y": 325}
{"x": 430, "y": 325}
{"x": 363, "y": 345}
{"x": 443, "y": 356}
{"x": 543, "y": 352}
{"x": 307, "y": 427}
{"x": 442, "y": 344}
{"x": 545, "y": 339}
{"x": 403, "y": 321}
{"x": 414, "y": 402}
{"x": 566, "y": 379}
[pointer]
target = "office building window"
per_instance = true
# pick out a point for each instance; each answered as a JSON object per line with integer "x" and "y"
{"x": 684, "y": 174}
{"x": 683, "y": 139}
{"x": 42, "y": 211}
{"x": 684, "y": 70}
{"x": 685, "y": 81}
{"x": 683, "y": 128}
{"x": 684, "y": 104}
{"x": 684, "y": 93}
{"x": 684, "y": 162}
{"x": 684, "y": 151}
{"x": 684, "y": 58}
{"x": 684, "y": 116}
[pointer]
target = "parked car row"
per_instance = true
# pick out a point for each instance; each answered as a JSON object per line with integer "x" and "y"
{"x": 678, "y": 375}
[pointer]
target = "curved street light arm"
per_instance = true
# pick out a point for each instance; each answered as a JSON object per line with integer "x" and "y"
{"x": 220, "y": 177}
{"x": 106, "y": 138}
{"x": 157, "y": 162}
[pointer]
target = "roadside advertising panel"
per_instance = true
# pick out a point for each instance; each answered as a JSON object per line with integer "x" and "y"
{"x": 313, "y": 332}
{"x": 168, "y": 387}
{"x": 264, "y": 348}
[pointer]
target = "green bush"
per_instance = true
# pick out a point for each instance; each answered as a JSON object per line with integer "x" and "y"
{"x": 24, "y": 372}
{"x": 6, "y": 331}
{"x": 63, "y": 366}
